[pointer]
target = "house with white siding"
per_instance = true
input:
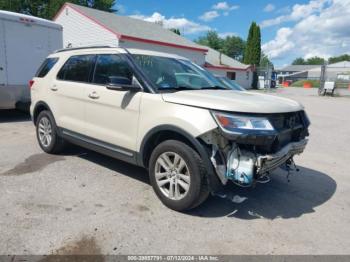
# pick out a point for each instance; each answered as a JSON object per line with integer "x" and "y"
{"x": 223, "y": 65}
{"x": 84, "y": 26}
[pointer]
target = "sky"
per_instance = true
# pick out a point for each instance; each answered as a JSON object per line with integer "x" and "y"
{"x": 290, "y": 28}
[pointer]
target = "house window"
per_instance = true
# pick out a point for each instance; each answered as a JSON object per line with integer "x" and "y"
{"x": 231, "y": 75}
{"x": 247, "y": 75}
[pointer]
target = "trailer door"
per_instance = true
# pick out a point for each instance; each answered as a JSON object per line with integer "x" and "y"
{"x": 26, "y": 49}
{"x": 3, "y": 81}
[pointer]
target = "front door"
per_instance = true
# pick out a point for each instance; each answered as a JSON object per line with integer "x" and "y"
{"x": 112, "y": 115}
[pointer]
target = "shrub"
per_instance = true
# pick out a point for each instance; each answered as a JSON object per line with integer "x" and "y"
{"x": 300, "y": 83}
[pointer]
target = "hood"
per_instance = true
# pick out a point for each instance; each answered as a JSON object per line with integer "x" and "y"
{"x": 233, "y": 101}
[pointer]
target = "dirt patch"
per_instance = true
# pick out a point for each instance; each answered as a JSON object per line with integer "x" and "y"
{"x": 142, "y": 208}
{"x": 33, "y": 163}
{"x": 87, "y": 249}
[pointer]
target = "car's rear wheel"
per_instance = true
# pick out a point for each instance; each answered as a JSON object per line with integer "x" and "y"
{"x": 178, "y": 176}
{"x": 47, "y": 133}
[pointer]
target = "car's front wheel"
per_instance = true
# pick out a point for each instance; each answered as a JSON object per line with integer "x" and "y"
{"x": 178, "y": 175}
{"x": 47, "y": 133}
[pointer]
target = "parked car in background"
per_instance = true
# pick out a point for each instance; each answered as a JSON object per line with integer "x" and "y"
{"x": 25, "y": 41}
{"x": 167, "y": 114}
{"x": 230, "y": 83}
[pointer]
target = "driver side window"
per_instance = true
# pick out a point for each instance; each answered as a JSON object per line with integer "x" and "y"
{"x": 112, "y": 69}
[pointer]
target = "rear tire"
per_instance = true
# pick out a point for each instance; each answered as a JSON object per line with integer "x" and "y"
{"x": 178, "y": 175}
{"x": 47, "y": 133}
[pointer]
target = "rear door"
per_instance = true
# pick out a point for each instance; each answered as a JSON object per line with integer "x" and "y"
{"x": 3, "y": 80}
{"x": 68, "y": 92}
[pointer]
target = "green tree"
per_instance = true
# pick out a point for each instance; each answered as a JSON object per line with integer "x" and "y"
{"x": 48, "y": 8}
{"x": 212, "y": 40}
{"x": 252, "y": 53}
{"x": 233, "y": 46}
{"x": 265, "y": 61}
{"x": 315, "y": 61}
{"x": 299, "y": 61}
{"x": 336, "y": 59}
{"x": 175, "y": 30}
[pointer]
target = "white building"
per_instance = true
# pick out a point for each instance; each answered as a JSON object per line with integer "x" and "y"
{"x": 83, "y": 26}
{"x": 340, "y": 70}
{"x": 223, "y": 65}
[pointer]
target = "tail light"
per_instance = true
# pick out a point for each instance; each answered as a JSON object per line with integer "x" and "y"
{"x": 31, "y": 82}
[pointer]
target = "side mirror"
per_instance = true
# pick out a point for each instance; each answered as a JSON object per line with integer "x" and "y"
{"x": 122, "y": 84}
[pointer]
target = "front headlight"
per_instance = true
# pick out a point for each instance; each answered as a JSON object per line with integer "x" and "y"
{"x": 234, "y": 123}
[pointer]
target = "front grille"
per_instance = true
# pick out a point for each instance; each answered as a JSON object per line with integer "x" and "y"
{"x": 289, "y": 127}
{"x": 286, "y": 120}
{"x": 292, "y": 127}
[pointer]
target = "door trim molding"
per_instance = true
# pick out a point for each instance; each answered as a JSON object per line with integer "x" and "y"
{"x": 99, "y": 146}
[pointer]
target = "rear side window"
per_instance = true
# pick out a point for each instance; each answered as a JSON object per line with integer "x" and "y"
{"x": 112, "y": 69}
{"x": 46, "y": 66}
{"x": 77, "y": 68}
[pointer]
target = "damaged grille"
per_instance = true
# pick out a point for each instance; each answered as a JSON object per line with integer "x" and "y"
{"x": 286, "y": 121}
{"x": 291, "y": 127}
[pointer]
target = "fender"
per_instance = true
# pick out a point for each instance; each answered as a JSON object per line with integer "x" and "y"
{"x": 213, "y": 180}
{"x": 38, "y": 104}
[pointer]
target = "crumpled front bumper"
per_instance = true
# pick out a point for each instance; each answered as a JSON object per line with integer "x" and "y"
{"x": 266, "y": 163}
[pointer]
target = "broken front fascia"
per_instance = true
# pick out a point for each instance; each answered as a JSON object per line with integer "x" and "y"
{"x": 243, "y": 166}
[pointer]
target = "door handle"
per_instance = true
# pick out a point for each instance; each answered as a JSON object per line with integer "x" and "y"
{"x": 94, "y": 95}
{"x": 54, "y": 88}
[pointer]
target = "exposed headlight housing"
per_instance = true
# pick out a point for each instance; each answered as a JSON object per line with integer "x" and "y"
{"x": 232, "y": 123}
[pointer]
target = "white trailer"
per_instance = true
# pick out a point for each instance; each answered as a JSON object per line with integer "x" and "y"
{"x": 25, "y": 41}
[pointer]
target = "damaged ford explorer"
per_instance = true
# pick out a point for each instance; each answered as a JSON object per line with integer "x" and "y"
{"x": 193, "y": 133}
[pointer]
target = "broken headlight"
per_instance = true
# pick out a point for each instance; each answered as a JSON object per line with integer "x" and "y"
{"x": 232, "y": 123}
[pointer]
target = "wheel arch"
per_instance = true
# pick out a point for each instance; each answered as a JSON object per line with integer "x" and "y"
{"x": 168, "y": 132}
{"x": 39, "y": 107}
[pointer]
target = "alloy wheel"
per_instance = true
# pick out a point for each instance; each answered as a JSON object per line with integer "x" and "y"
{"x": 172, "y": 175}
{"x": 45, "y": 131}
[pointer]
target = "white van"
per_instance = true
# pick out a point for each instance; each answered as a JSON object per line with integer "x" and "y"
{"x": 25, "y": 41}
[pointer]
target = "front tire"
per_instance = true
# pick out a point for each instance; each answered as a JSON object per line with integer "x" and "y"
{"x": 178, "y": 175}
{"x": 47, "y": 133}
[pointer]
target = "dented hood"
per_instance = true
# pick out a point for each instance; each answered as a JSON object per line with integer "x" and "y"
{"x": 233, "y": 101}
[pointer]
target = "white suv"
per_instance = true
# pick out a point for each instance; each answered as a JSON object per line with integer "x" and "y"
{"x": 166, "y": 114}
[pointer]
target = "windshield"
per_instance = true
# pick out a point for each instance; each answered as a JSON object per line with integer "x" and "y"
{"x": 176, "y": 74}
{"x": 230, "y": 83}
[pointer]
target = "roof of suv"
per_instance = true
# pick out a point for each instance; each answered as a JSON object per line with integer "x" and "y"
{"x": 106, "y": 49}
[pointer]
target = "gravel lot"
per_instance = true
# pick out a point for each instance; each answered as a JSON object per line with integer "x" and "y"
{"x": 85, "y": 203}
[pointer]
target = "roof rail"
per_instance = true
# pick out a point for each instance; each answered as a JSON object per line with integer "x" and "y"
{"x": 82, "y": 47}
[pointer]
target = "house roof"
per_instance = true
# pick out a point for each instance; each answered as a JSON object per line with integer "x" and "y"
{"x": 340, "y": 64}
{"x": 213, "y": 60}
{"x": 132, "y": 29}
{"x": 298, "y": 68}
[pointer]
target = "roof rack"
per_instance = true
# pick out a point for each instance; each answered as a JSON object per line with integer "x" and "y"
{"x": 82, "y": 47}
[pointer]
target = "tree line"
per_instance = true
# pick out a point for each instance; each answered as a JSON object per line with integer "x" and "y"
{"x": 320, "y": 61}
{"x": 246, "y": 51}
{"x": 47, "y": 9}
